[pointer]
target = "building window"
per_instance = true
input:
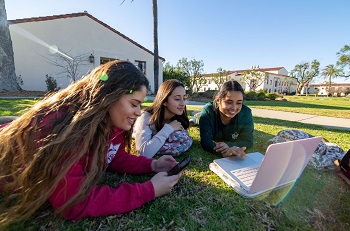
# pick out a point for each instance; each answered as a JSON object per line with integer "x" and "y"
{"x": 270, "y": 82}
{"x": 104, "y": 60}
{"x": 141, "y": 65}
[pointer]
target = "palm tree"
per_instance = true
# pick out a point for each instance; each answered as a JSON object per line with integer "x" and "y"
{"x": 331, "y": 71}
{"x": 155, "y": 42}
{"x": 8, "y": 79}
{"x": 344, "y": 59}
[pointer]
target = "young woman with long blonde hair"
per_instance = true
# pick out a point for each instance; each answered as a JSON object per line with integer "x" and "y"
{"x": 58, "y": 150}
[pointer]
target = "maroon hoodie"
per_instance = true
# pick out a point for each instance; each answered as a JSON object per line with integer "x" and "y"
{"x": 105, "y": 200}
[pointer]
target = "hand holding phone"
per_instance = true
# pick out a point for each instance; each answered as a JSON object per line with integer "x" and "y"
{"x": 180, "y": 166}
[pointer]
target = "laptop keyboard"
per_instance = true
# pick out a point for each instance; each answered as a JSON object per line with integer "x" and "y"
{"x": 246, "y": 175}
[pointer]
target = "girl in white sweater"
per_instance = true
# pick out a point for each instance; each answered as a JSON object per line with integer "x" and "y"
{"x": 162, "y": 127}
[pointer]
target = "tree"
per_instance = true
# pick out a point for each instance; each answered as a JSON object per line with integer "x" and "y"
{"x": 254, "y": 78}
{"x": 8, "y": 78}
{"x": 344, "y": 60}
{"x": 171, "y": 72}
{"x": 193, "y": 69}
{"x": 304, "y": 73}
{"x": 68, "y": 66}
{"x": 330, "y": 72}
{"x": 220, "y": 77}
{"x": 155, "y": 40}
{"x": 287, "y": 82}
{"x": 155, "y": 43}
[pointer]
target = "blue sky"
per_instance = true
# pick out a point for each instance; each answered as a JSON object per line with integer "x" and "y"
{"x": 232, "y": 34}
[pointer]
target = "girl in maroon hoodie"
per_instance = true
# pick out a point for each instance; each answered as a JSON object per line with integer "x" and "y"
{"x": 58, "y": 150}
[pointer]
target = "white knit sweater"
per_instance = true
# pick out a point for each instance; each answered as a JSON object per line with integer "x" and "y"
{"x": 148, "y": 140}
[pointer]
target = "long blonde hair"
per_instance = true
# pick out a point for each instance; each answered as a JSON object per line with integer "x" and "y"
{"x": 38, "y": 148}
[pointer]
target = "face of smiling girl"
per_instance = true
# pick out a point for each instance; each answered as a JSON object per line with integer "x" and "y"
{"x": 230, "y": 106}
{"x": 125, "y": 111}
{"x": 176, "y": 103}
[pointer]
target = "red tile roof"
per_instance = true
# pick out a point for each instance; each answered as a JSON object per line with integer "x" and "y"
{"x": 239, "y": 72}
{"x": 333, "y": 84}
{"x": 53, "y": 17}
{"x": 260, "y": 69}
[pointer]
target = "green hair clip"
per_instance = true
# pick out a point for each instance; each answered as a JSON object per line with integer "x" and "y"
{"x": 103, "y": 76}
{"x": 130, "y": 91}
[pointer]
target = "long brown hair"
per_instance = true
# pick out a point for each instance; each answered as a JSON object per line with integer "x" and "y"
{"x": 36, "y": 154}
{"x": 157, "y": 108}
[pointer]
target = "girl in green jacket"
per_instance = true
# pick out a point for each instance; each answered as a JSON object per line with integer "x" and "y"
{"x": 226, "y": 124}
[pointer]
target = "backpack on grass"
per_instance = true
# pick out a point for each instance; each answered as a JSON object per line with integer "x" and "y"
{"x": 344, "y": 167}
{"x": 324, "y": 156}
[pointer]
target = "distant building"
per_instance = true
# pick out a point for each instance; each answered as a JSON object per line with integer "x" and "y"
{"x": 36, "y": 40}
{"x": 322, "y": 89}
{"x": 277, "y": 81}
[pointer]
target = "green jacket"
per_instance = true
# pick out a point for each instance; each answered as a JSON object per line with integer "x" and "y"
{"x": 239, "y": 132}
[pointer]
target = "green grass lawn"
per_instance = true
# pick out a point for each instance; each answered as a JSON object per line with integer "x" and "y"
{"x": 202, "y": 201}
{"x": 322, "y": 106}
{"x": 10, "y": 107}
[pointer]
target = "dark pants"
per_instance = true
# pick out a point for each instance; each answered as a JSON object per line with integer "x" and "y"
{"x": 6, "y": 119}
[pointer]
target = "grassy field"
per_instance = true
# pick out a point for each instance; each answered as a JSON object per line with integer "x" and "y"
{"x": 321, "y": 106}
{"x": 202, "y": 201}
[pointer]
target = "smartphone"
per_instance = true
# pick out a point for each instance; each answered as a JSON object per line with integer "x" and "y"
{"x": 178, "y": 168}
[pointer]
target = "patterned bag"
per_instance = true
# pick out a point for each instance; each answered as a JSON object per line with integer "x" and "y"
{"x": 345, "y": 164}
{"x": 177, "y": 143}
{"x": 324, "y": 155}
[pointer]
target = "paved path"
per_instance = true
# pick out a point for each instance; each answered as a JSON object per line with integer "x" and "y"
{"x": 328, "y": 122}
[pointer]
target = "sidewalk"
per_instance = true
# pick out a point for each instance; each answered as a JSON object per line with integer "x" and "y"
{"x": 328, "y": 122}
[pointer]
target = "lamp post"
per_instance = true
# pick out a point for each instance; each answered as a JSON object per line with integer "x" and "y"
{"x": 91, "y": 58}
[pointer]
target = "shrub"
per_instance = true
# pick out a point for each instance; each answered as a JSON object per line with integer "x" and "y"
{"x": 261, "y": 95}
{"x": 272, "y": 96}
{"x": 251, "y": 95}
{"x": 210, "y": 94}
{"x": 51, "y": 83}
{"x": 19, "y": 80}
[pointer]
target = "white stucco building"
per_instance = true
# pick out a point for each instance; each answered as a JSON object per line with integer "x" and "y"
{"x": 277, "y": 80}
{"x": 40, "y": 39}
{"x": 322, "y": 89}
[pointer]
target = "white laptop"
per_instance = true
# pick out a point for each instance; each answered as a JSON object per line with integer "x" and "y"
{"x": 256, "y": 174}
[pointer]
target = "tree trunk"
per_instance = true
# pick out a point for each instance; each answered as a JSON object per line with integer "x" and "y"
{"x": 299, "y": 88}
{"x": 8, "y": 80}
{"x": 155, "y": 39}
{"x": 330, "y": 85}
